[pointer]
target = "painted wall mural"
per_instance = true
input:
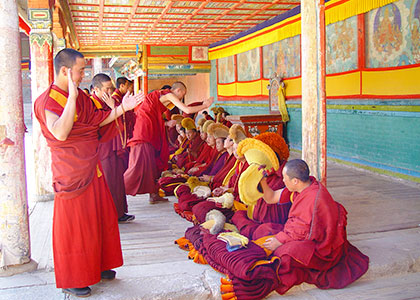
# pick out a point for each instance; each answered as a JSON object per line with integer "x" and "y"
{"x": 249, "y": 65}
{"x": 392, "y": 35}
{"x": 226, "y": 69}
{"x": 282, "y": 57}
{"x": 341, "y": 46}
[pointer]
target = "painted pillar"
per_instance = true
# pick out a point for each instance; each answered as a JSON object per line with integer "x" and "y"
{"x": 97, "y": 66}
{"x": 145, "y": 65}
{"x": 42, "y": 75}
{"x": 313, "y": 87}
{"x": 14, "y": 226}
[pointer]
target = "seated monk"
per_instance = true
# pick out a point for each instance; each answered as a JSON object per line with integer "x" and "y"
{"x": 217, "y": 133}
{"x": 182, "y": 140}
{"x": 195, "y": 142}
{"x": 207, "y": 116}
{"x": 170, "y": 180}
{"x": 262, "y": 218}
{"x": 229, "y": 183}
{"x": 173, "y": 133}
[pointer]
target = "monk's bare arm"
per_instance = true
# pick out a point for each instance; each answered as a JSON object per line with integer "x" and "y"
{"x": 129, "y": 102}
{"x": 270, "y": 196}
{"x": 188, "y": 109}
{"x": 60, "y": 126}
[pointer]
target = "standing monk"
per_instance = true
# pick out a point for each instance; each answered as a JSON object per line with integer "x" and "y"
{"x": 113, "y": 154}
{"x": 86, "y": 241}
{"x": 149, "y": 150}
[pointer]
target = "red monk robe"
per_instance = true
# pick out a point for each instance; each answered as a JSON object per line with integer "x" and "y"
{"x": 191, "y": 152}
{"x": 204, "y": 154}
{"x": 314, "y": 249}
{"x": 86, "y": 238}
{"x": 201, "y": 209}
{"x": 149, "y": 152}
{"x": 113, "y": 157}
{"x": 171, "y": 133}
{"x": 187, "y": 200}
{"x": 130, "y": 117}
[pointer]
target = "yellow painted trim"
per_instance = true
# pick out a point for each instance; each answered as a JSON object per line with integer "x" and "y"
{"x": 248, "y": 88}
{"x": 391, "y": 82}
{"x": 346, "y": 84}
{"x": 293, "y": 87}
{"x": 264, "y": 89}
{"x": 226, "y": 89}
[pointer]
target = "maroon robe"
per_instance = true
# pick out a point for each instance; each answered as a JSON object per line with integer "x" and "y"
{"x": 113, "y": 158}
{"x": 204, "y": 153}
{"x": 149, "y": 150}
{"x": 191, "y": 152}
{"x": 130, "y": 117}
{"x": 86, "y": 238}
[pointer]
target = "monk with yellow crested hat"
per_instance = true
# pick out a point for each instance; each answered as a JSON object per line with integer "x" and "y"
{"x": 194, "y": 145}
{"x": 262, "y": 217}
{"x": 225, "y": 183}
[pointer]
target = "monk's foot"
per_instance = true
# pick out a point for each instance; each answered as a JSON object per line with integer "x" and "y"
{"x": 108, "y": 275}
{"x": 78, "y": 292}
{"x": 155, "y": 198}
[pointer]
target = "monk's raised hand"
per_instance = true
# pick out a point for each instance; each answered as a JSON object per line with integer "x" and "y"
{"x": 272, "y": 244}
{"x": 170, "y": 123}
{"x": 208, "y": 102}
{"x": 108, "y": 100}
{"x": 130, "y": 101}
{"x": 73, "y": 92}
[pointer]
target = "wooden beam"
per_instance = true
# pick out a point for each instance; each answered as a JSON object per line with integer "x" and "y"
{"x": 69, "y": 22}
{"x": 101, "y": 19}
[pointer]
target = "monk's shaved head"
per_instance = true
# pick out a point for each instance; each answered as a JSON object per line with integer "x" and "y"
{"x": 179, "y": 85}
{"x": 99, "y": 79}
{"x": 297, "y": 168}
{"x": 66, "y": 58}
{"x": 121, "y": 80}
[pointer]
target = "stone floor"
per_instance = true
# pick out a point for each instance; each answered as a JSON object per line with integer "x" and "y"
{"x": 383, "y": 222}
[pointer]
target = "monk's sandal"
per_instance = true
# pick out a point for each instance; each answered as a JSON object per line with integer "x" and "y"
{"x": 78, "y": 292}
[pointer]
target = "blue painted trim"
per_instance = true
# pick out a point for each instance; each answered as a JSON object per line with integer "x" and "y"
{"x": 381, "y": 113}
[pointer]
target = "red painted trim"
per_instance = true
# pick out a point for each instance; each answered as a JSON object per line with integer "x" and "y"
{"x": 361, "y": 48}
{"x": 337, "y": 3}
{"x": 235, "y": 65}
{"x": 343, "y": 73}
{"x": 261, "y": 33}
{"x": 391, "y": 68}
{"x": 24, "y": 26}
{"x": 322, "y": 97}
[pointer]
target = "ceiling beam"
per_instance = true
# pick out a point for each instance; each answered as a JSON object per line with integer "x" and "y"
{"x": 163, "y": 13}
{"x": 130, "y": 17}
{"x": 68, "y": 20}
{"x": 101, "y": 19}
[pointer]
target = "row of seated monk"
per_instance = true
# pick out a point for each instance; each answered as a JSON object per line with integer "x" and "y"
{"x": 256, "y": 217}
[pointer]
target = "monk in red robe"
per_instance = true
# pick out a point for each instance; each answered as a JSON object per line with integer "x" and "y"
{"x": 113, "y": 154}
{"x": 312, "y": 246}
{"x": 192, "y": 151}
{"x": 86, "y": 242}
{"x": 125, "y": 86}
{"x": 207, "y": 116}
{"x": 149, "y": 150}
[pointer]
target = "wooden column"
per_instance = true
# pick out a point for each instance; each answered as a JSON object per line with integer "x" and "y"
{"x": 15, "y": 253}
{"x": 42, "y": 75}
{"x": 97, "y": 66}
{"x": 314, "y": 131}
{"x": 145, "y": 66}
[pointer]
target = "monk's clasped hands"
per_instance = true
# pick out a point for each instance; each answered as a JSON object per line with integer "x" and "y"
{"x": 272, "y": 244}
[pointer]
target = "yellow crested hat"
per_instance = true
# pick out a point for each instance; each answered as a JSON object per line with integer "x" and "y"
{"x": 260, "y": 157}
{"x": 206, "y": 125}
{"x": 237, "y": 133}
{"x": 201, "y": 122}
{"x": 218, "y": 130}
{"x": 276, "y": 142}
{"x": 177, "y": 117}
{"x": 188, "y": 123}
